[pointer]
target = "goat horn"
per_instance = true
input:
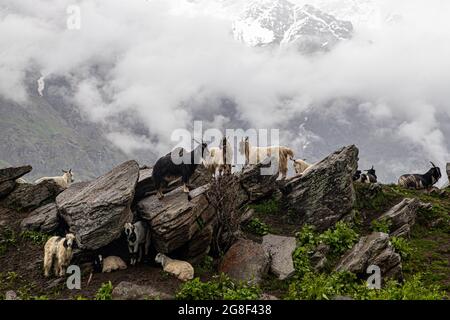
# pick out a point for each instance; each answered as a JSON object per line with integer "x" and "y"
{"x": 433, "y": 164}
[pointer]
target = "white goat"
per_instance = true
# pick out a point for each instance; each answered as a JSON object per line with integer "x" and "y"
{"x": 215, "y": 159}
{"x": 301, "y": 166}
{"x": 63, "y": 181}
{"x": 255, "y": 155}
{"x": 181, "y": 269}
{"x": 58, "y": 251}
{"x": 138, "y": 238}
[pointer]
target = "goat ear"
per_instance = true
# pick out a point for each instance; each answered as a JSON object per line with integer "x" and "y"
{"x": 65, "y": 243}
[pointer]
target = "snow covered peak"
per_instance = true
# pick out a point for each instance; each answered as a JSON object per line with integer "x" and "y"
{"x": 280, "y": 22}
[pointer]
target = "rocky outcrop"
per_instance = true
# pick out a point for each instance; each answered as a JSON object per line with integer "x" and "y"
{"x": 403, "y": 216}
{"x": 130, "y": 291}
{"x": 254, "y": 184}
{"x": 245, "y": 261}
{"x": 27, "y": 197}
{"x": 146, "y": 187}
{"x": 280, "y": 251}
{"x": 8, "y": 178}
{"x": 43, "y": 219}
{"x": 324, "y": 194}
{"x": 177, "y": 218}
{"x": 374, "y": 249}
{"x": 97, "y": 211}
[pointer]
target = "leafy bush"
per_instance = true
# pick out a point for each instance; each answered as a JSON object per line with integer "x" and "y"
{"x": 327, "y": 286}
{"x": 258, "y": 227}
{"x": 340, "y": 238}
{"x": 221, "y": 288}
{"x": 35, "y": 237}
{"x": 381, "y": 225}
{"x": 105, "y": 291}
{"x": 402, "y": 247}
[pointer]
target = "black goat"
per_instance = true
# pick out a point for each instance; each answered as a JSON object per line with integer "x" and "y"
{"x": 369, "y": 177}
{"x": 421, "y": 181}
{"x": 166, "y": 170}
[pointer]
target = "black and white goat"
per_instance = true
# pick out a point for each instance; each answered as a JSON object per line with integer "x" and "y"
{"x": 165, "y": 170}
{"x": 138, "y": 238}
{"x": 369, "y": 177}
{"x": 421, "y": 181}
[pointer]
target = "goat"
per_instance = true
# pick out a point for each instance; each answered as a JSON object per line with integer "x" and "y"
{"x": 166, "y": 170}
{"x": 181, "y": 269}
{"x": 63, "y": 181}
{"x": 301, "y": 166}
{"x": 421, "y": 181}
{"x": 219, "y": 158}
{"x": 369, "y": 177}
{"x": 138, "y": 238}
{"x": 255, "y": 155}
{"x": 58, "y": 252}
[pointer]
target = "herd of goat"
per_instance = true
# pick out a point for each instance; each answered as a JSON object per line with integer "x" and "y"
{"x": 58, "y": 250}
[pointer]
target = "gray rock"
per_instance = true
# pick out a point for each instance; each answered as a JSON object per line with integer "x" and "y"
{"x": 280, "y": 251}
{"x": 325, "y": 194}
{"x": 245, "y": 261}
{"x": 175, "y": 220}
{"x": 27, "y": 197}
{"x": 374, "y": 249}
{"x": 97, "y": 211}
{"x": 6, "y": 188}
{"x": 13, "y": 173}
{"x": 129, "y": 291}
{"x": 403, "y": 216}
{"x": 319, "y": 257}
{"x": 43, "y": 219}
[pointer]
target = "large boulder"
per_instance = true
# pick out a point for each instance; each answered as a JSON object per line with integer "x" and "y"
{"x": 178, "y": 218}
{"x": 146, "y": 187}
{"x": 8, "y": 178}
{"x": 280, "y": 251}
{"x": 246, "y": 261}
{"x": 403, "y": 216}
{"x": 130, "y": 291}
{"x": 44, "y": 219}
{"x": 27, "y": 197}
{"x": 97, "y": 211}
{"x": 374, "y": 249}
{"x": 254, "y": 184}
{"x": 325, "y": 193}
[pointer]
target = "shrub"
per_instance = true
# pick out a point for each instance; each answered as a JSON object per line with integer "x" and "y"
{"x": 340, "y": 238}
{"x": 402, "y": 247}
{"x": 381, "y": 225}
{"x": 258, "y": 227}
{"x": 221, "y": 288}
{"x": 271, "y": 206}
{"x": 35, "y": 237}
{"x": 105, "y": 291}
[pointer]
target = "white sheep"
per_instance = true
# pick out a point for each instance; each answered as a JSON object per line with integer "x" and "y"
{"x": 301, "y": 166}
{"x": 138, "y": 238}
{"x": 109, "y": 264}
{"x": 58, "y": 251}
{"x": 181, "y": 269}
{"x": 255, "y": 155}
{"x": 63, "y": 181}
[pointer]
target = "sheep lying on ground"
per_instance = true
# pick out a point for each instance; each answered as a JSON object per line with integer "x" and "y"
{"x": 58, "y": 252}
{"x": 181, "y": 269}
{"x": 63, "y": 181}
{"x": 108, "y": 264}
{"x": 301, "y": 166}
{"x": 138, "y": 238}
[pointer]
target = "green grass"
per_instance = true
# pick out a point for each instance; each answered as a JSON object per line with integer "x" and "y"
{"x": 35, "y": 237}
{"x": 267, "y": 207}
{"x": 257, "y": 227}
{"x": 104, "y": 292}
